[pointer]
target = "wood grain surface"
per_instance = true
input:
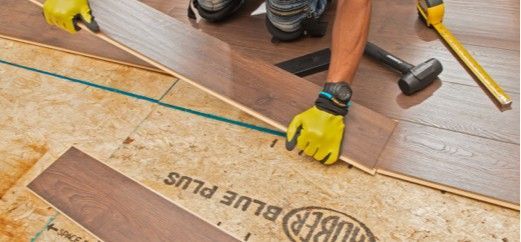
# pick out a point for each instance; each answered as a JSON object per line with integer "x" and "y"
{"x": 114, "y": 207}
{"x": 444, "y": 157}
{"x": 454, "y": 107}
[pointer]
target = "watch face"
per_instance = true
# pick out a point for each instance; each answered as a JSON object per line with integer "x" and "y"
{"x": 344, "y": 93}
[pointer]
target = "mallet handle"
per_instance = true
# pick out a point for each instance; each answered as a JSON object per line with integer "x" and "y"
{"x": 393, "y": 61}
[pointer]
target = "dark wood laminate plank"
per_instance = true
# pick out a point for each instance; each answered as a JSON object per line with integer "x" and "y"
{"x": 22, "y": 20}
{"x": 475, "y": 166}
{"x": 501, "y": 64}
{"x": 114, "y": 207}
{"x": 455, "y": 107}
{"x": 249, "y": 34}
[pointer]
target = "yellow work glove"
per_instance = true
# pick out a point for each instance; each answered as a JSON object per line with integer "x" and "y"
{"x": 319, "y": 130}
{"x": 65, "y": 13}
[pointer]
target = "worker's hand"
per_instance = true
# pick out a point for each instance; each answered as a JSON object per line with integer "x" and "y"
{"x": 65, "y": 13}
{"x": 319, "y": 130}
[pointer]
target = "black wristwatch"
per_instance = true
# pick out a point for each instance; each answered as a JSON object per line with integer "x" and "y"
{"x": 335, "y": 98}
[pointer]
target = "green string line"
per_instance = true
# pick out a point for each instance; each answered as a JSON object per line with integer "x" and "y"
{"x": 149, "y": 99}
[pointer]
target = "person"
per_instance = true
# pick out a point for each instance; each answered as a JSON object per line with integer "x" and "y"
{"x": 319, "y": 130}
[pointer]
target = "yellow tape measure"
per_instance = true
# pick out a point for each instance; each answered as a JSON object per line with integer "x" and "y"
{"x": 432, "y": 12}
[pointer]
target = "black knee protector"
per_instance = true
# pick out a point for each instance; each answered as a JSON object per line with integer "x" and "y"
{"x": 314, "y": 27}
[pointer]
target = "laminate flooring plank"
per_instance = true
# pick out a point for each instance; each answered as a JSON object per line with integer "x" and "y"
{"x": 114, "y": 207}
{"x": 454, "y": 107}
{"x": 450, "y": 106}
{"x": 249, "y": 35}
{"x": 480, "y": 168}
{"x": 501, "y": 64}
{"x": 23, "y": 21}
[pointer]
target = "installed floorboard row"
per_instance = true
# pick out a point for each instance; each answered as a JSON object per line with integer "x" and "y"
{"x": 455, "y": 107}
{"x": 475, "y": 167}
{"x": 258, "y": 88}
{"x": 114, "y": 207}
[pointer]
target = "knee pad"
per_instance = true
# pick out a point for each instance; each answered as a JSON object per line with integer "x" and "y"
{"x": 309, "y": 27}
{"x": 219, "y": 13}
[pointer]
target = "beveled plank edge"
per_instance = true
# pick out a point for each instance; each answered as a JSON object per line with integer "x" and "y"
{"x": 450, "y": 189}
{"x": 132, "y": 179}
{"x": 370, "y": 170}
{"x": 147, "y": 68}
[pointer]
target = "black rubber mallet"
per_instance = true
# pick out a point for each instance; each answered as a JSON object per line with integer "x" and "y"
{"x": 413, "y": 79}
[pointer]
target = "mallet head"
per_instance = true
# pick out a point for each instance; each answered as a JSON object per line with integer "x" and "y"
{"x": 420, "y": 76}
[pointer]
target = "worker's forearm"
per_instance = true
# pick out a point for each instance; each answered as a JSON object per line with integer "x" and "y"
{"x": 349, "y": 38}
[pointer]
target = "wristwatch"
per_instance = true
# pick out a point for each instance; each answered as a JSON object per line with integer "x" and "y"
{"x": 335, "y": 98}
